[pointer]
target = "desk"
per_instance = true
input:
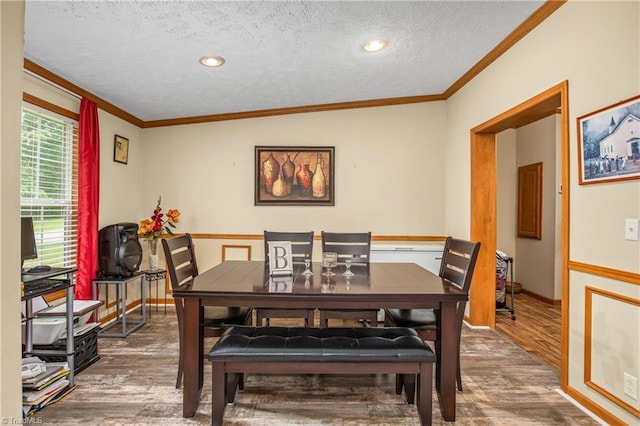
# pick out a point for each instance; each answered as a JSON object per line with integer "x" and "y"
{"x": 121, "y": 303}
{"x": 156, "y": 275}
{"x": 388, "y": 285}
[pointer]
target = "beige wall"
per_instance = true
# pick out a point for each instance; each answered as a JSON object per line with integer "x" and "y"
{"x": 120, "y": 184}
{"x": 11, "y": 43}
{"x": 389, "y": 171}
{"x": 563, "y": 48}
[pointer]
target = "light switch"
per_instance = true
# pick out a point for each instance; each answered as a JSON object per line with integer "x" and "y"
{"x": 631, "y": 229}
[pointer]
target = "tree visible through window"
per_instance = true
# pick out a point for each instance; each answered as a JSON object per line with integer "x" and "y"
{"x": 48, "y": 185}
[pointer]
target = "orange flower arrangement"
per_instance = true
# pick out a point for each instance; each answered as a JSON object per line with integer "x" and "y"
{"x": 152, "y": 229}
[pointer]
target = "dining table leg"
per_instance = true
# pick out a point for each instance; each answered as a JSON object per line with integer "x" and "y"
{"x": 446, "y": 362}
{"x": 192, "y": 380}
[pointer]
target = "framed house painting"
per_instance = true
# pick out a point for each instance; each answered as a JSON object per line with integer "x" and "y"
{"x": 609, "y": 143}
{"x": 294, "y": 175}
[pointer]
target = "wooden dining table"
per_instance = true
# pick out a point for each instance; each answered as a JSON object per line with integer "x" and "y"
{"x": 382, "y": 285}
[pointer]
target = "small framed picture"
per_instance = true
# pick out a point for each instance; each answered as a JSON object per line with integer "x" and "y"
{"x": 121, "y": 150}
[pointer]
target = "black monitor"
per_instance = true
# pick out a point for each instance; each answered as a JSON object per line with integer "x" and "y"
{"x": 27, "y": 240}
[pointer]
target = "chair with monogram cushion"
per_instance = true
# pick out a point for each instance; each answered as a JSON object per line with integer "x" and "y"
{"x": 301, "y": 249}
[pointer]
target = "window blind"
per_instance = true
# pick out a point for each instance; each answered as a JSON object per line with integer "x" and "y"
{"x": 49, "y": 185}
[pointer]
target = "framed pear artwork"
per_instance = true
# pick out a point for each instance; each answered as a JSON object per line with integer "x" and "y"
{"x": 294, "y": 175}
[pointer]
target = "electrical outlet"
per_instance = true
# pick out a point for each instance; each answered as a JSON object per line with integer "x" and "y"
{"x": 631, "y": 386}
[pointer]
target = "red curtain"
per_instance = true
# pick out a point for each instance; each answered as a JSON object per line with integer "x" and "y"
{"x": 88, "y": 198}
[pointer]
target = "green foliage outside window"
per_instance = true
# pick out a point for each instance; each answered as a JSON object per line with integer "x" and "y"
{"x": 48, "y": 187}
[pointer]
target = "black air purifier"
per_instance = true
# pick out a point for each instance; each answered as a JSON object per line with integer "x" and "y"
{"x": 119, "y": 251}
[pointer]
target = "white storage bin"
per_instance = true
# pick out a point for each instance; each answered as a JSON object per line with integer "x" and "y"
{"x": 45, "y": 330}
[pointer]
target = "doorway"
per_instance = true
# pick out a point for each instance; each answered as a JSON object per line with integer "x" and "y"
{"x": 484, "y": 199}
{"x": 531, "y": 154}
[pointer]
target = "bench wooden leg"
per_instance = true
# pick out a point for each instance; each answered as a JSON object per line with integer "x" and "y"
{"x": 233, "y": 381}
{"x": 218, "y": 400}
{"x": 241, "y": 381}
{"x": 425, "y": 379}
{"x": 409, "y": 382}
{"x": 399, "y": 384}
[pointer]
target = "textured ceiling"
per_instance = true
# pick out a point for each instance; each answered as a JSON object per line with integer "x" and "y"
{"x": 142, "y": 56}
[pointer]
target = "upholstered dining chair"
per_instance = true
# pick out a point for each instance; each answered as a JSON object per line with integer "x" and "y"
{"x": 356, "y": 247}
{"x": 183, "y": 268}
{"x": 458, "y": 262}
{"x": 301, "y": 249}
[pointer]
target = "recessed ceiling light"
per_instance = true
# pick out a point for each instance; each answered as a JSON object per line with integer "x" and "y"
{"x": 374, "y": 45}
{"x": 212, "y": 61}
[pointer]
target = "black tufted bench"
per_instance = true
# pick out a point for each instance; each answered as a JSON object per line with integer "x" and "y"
{"x": 332, "y": 350}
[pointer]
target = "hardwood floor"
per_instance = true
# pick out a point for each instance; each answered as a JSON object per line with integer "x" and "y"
{"x": 134, "y": 383}
{"x": 536, "y": 328}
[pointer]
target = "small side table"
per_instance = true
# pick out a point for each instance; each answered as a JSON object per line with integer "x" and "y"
{"x": 156, "y": 275}
{"x": 121, "y": 303}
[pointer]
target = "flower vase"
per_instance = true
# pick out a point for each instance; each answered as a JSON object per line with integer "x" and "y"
{"x": 153, "y": 254}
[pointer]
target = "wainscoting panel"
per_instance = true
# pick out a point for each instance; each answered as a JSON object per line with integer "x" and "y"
{"x": 236, "y": 252}
{"x": 611, "y": 344}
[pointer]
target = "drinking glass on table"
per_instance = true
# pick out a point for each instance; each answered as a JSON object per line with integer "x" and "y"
{"x": 329, "y": 261}
{"x": 307, "y": 265}
{"x": 347, "y": 273}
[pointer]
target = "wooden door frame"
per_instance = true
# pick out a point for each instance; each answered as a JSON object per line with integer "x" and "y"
{"x": 484, "y": 204}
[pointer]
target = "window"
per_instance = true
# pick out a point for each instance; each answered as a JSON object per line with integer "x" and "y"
{"x": 49, "y": 184}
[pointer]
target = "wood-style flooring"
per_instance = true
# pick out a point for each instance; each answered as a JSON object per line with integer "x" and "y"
{"x": 134, "y": 383}
{"x": 536, "y": 328}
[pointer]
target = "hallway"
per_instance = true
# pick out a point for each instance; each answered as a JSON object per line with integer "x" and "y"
{"x": 536, "y": 328}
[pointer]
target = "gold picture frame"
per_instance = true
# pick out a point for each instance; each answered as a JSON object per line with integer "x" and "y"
{"x": 121, "y": 149}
